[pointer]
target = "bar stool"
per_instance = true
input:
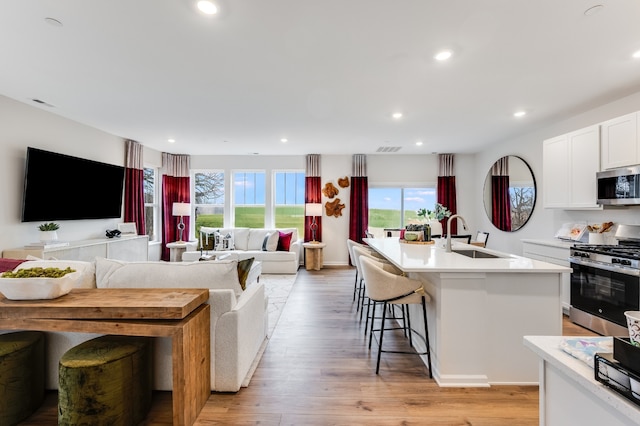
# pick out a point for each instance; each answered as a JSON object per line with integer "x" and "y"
{"x": 387, "y": 288}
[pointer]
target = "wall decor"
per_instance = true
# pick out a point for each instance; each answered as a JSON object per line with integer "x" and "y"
{"x": 330, "y": 190}
{"x": 334, "y": 208}
{"x": 343, "y": 182}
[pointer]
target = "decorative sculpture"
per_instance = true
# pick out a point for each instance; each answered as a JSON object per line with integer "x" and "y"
{"x": 334, "y": 208}
{"x": 330, "y": 190}
{"x": 343, "y": 182}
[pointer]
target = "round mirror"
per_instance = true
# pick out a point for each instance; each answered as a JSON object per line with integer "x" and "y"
{"x": 509, "y": 193}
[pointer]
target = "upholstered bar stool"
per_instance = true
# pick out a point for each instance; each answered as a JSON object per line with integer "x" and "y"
{"x": 387, "y": 288}
{"x": 106, "y": 381}
{"x": 363, "y": 251}
{"x": 21, "y": 375}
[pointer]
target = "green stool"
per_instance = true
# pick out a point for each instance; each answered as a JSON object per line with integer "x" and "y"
{"x": 106, "y": 381}
{"x": 21, "y": 375}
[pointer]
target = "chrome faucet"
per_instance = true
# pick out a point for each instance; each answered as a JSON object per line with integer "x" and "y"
{"x": 464, "y": 225}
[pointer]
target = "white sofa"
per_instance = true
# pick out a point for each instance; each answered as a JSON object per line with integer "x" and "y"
{"x": 259, "y": 243}
{"x": 238, "y": 317}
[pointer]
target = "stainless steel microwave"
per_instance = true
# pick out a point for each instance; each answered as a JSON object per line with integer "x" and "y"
{"x": 619, "y": 186}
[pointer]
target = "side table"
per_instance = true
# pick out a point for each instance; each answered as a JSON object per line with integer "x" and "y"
{"x": 313, "y": 255}
{"x": 176, "y": 249}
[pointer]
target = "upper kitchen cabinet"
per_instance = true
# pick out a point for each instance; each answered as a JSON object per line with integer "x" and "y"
{"x": 569, "y": 166}
{"x": 620, "y": 143}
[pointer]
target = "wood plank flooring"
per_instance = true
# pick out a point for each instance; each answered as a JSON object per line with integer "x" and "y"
{"x": 318, "y": 370}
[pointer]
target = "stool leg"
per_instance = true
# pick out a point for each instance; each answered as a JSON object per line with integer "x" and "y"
{"x": 409, "y": 327}
{"x": 426, "y": 336}
{"x": 384, "y": 316}
{"x": 373, "y": 316}
{"x": 355, "y": 286}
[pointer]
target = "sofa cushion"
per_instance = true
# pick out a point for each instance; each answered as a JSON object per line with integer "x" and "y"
{"x": 284, "y": 240}
{"x": 87, "y": 270}
{"x": 112, "y": 273}
{"x": 241, "y": 238}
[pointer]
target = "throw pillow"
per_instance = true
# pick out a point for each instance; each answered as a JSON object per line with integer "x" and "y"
{"x": 227, "y": 242}
{"x": 244, "y": 266}
{"x": 270, "y": 242}
{"x": 219, "y": 241}
{"x": 207, "y": 240}
{"x": 9, "y": 264}
{"x": 284, "y": 241}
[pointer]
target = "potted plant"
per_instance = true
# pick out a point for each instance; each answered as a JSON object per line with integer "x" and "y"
{"x": 434, "y": 217}
{"x": 48, "y": 232}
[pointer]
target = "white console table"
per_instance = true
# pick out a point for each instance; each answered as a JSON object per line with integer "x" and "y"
{"x": 129, "y": 248}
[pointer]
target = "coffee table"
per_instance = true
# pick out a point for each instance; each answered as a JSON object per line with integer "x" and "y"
{"x": 181, "y": 314}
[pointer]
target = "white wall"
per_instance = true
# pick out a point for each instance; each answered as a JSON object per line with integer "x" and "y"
{"x": 545, "y": 222}
{"x": 23, "y": 125}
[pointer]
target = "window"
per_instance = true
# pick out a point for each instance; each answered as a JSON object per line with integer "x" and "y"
{"x": 151, "y": 207}
{"x": 248, "y": 199}
{"x": 394, "y": 208}
{"x": 289, "y": 200}
{"x": 209, "y": 199}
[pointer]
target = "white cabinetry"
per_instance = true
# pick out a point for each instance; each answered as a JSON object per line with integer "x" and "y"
{"x": 570, "y": 164}
{"x": 556, "y": 252}
{"x": 125, "y": 248}
{"x": 620, "y": 142}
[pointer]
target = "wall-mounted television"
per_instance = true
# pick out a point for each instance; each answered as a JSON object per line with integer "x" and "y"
{"x": 62, "y": 187}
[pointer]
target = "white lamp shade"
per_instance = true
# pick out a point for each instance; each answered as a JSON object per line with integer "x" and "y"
{"x": 313, "y": 209}
{"x": 181, "y": 209}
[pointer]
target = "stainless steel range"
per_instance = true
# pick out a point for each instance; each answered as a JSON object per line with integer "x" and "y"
{"x": 605, "y": 282}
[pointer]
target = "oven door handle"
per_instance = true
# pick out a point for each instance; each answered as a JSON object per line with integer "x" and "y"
{"x": 616, "y": 269}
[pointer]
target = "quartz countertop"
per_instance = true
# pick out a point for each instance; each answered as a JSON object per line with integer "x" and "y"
{"x": 552, "y": 242}
{"x": 548, "y": 348}
{"x": 434, "y": 258}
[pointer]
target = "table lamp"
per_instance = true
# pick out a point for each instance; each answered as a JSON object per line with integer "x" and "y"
{"x": 181, "y": 209}
{"x": 314, "y": 210}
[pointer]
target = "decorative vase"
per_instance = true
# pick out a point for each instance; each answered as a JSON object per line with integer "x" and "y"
{"x": 47, "y": 236}
{"x": 436, "y": 227}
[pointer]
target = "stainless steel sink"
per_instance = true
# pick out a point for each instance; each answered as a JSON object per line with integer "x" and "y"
{"x": 476, "y": 254}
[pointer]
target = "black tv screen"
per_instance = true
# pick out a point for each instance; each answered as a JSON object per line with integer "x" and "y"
{"x": 62, "y": 187}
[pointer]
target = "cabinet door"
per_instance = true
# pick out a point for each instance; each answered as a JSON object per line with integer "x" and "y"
{"x": 556, "y": 172}
{"x": 620, "y": 141}
{"x": 585, "y": 163}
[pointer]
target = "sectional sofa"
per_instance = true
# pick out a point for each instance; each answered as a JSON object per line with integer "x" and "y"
{"x": 239, "y": 313}
{"x": 279, "y": 250}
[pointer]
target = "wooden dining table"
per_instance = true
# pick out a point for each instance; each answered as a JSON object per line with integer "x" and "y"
{"x": 180, "y": 314}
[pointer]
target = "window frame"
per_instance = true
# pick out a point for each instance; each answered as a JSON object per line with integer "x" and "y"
{"x": 155, "y": 235}
{"x": 274, "y": 204}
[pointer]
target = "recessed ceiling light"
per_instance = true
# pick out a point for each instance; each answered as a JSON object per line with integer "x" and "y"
{"x": 636, "y": 55}
{"x": 171, "y": 140}
{"x": 593, "y": 10}
{"x": 207, "y": 7}
{"x": 397, "y": 115}
{"x": 444, "y": 55}
{"x": 419, "y": 143}
{"x": 284, "y": 140}
{"x": 519, "y": 114}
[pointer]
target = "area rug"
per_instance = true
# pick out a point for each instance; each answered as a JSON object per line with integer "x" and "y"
{"x": 277, "y": 288}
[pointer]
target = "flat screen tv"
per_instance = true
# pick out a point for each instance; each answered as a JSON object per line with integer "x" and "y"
{"x": 62, "y": 187}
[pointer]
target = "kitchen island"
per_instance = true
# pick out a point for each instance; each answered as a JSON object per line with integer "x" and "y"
{"x": 480, "y": 310}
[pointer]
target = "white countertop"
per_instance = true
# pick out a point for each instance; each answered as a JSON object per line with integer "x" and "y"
{"x": 547, "y": 348}
{"x": 553, "y": 242}
{"x": 434, "y": 258}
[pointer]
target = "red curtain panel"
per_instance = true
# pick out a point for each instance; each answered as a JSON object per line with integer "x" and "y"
{"x": 312, "y": 194}
{"x": 134, "y": 198}
{"x": 359, "y": 202}
{"x": 501, "y": 208}
{"x": 446, "y": 195}
{"x": 174, "y": 190}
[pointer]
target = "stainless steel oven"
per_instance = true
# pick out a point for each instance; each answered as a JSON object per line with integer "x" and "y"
{"x": 605, "y": 282}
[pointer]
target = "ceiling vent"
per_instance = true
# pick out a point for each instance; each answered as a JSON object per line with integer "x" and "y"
{"x": 388, "y": 149}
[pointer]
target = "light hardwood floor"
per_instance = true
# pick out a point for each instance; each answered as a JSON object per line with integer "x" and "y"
{"x": 317, "y": 370}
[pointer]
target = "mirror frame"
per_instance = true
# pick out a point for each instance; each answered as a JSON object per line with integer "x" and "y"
{"x": 486, "y": 194}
